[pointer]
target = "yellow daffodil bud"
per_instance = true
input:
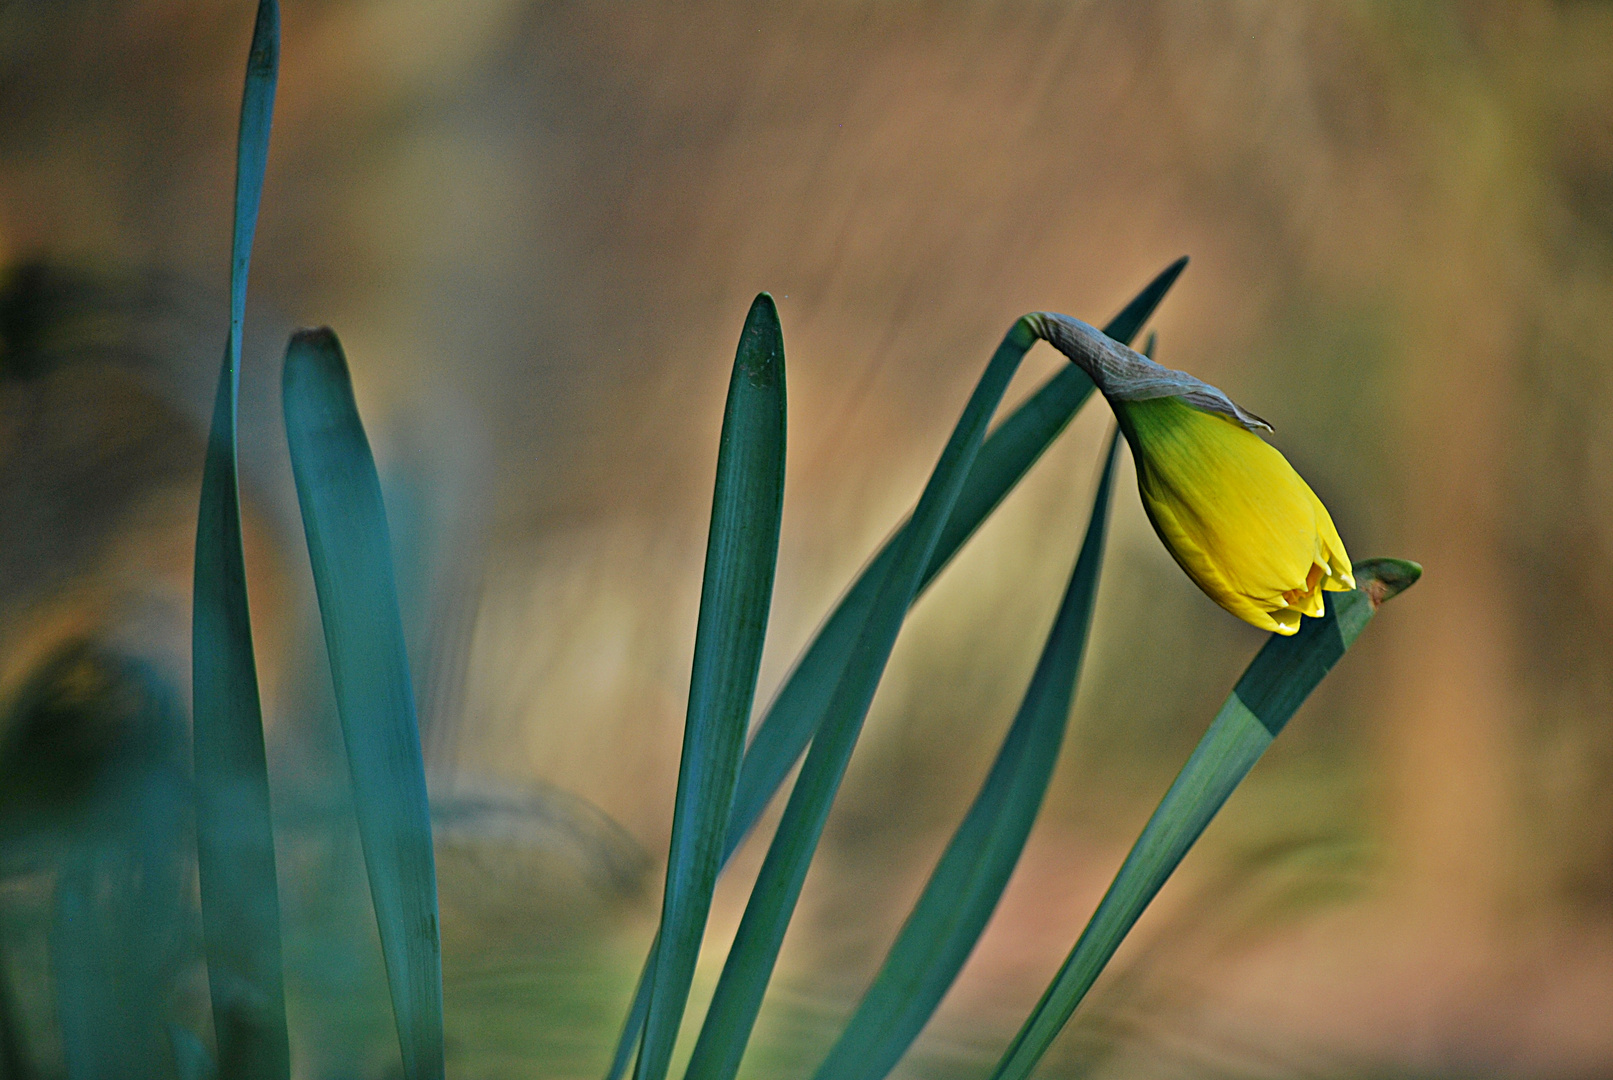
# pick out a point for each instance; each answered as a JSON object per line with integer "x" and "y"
{"x": 1227, "y": 505}
{"x": 1233, "y": 513}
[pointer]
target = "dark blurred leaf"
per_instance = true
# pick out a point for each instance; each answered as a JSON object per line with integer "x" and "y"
{"x": 86, "y": 1004}
{"x": 1278, "y": 680}
{"x": 735, "y": 594}
{"x": 795, "y": 712}
{"x": 86, "y": 729}
{"x": 235, "y": 841}
{"x": 969, "y": 879}
{"x": 340, "y": 496}
{"x": 92, "y": 785}
{"x": 191, "y": 1060}
{"x": 15, "y": 1063}
{"x": 39, "y": 306}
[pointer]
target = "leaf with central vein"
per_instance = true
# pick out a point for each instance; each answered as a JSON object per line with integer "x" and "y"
{"x": 234, "y": 839}
{"x": 970, "y": 877}
{"x": 749, "y": 967}
{"x": 350, "y": 551}
{"x": 741, "y": 554}
{"x": 1278, "y": 680}
{"x": 790, "y": 721}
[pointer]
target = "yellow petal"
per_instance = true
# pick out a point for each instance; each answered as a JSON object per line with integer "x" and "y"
{"x": 1285, "y": 623}
{"x": 1234, "y": 514}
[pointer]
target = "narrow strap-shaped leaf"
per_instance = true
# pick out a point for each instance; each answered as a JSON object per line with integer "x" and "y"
{"x": 750, "y": 962}
{"x": 342, "y": 516}
{"x": 234, "y": 839}
{"x": 1281, "y": 676}
{"x": 795, "y": 712}
{"x": 1006, "y": 456}
{"x": 969, "y": 879}
{"x": 741, "y": 554}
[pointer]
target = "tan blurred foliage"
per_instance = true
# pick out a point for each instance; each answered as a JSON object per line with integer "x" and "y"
{"x": 537, "y": 227}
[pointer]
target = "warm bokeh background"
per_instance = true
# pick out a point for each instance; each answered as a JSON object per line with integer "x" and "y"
{"x": 537, "y": 228}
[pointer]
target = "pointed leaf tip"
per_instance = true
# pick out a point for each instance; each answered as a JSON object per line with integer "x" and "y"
{"x": 761, "y": 343}
{"x": 264, "y": 58}
{"x": 1385, "y": 579}
{"x": 735, "y": 597}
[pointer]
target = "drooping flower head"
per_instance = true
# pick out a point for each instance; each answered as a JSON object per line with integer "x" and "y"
{"x": 1227, "y": 505}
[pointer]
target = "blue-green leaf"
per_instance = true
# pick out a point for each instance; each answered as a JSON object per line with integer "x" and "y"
{"x": 348, "y": 546}
{"x": 92, "y": 776}
{"x": 117, "y": 911}
{"x": 969, "y": 879}
{"x": 795, "y": 712}
{"x": 86, "y": 999}
{"x": 191, "y": 1059}
{"x": 749, "y": 967}
{"x": 741, "y": 554}
{"x": 234, "y": 839}
{"x": 14, "y": 1060}
{"x": 1278, "y": 680}
{"x": 1007, "y": 455}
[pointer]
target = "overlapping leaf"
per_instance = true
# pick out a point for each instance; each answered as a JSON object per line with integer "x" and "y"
{"x": 750, "y": 962}
{"x": 1278, "y": 680}
{"x": 234, "y": 838}
{"x": 969, "y": 879}
{"x": 796, "y": 711}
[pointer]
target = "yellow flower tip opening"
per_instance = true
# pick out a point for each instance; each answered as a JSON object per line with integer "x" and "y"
{"x": 1233, "y": 513}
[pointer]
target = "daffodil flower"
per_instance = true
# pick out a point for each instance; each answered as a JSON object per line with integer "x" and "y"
{"x": 1227, "y": 505}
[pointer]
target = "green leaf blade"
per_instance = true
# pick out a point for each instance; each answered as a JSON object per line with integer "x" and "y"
{"x": 235, "y": 840}
{"x": 741, "y": 556}
{"x": 788, "y": 723}
{"x": 252, "y": 154}
{"x": 1005, "y": 457}
{"x": 750, "y": 962}
{"x": 339, "y": 493}
{"x": 1279, "y": 679}
{"x": 969, "y": 879}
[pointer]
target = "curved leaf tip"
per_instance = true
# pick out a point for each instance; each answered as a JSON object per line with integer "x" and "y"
{"x": 349, "y": 550}
{"x": 313, "y": 350}
{"x": 317, "y": 337}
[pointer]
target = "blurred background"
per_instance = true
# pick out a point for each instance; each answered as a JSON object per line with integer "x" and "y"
{"x": 537, "y": 228}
